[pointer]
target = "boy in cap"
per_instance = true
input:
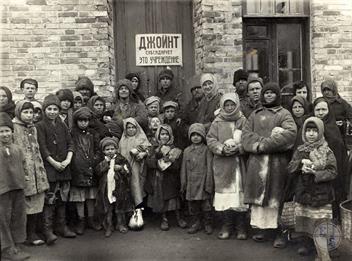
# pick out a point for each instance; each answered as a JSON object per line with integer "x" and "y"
{"x": 12, "y": 199}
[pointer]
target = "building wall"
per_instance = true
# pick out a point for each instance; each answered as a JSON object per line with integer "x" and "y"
{"x": 331, "y": 44}
{"x": 218, "y": 38}
{"x": 55, "y": 41}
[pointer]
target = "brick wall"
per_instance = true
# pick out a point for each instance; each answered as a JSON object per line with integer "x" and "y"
{"x": 55, "y": 41}
{"x": 218, "y": 38}
{"x": 331, "y": 44}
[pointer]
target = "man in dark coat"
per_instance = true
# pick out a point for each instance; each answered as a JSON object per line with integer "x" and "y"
{"x": 252, "y": 102}
{"x": 191, "y": 110}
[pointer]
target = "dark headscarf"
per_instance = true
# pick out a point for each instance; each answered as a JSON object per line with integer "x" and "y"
{"x": 9, "y": 108}
{"x": 299, "y": 121}
{"x": 136, "y": 94}
{"x": 91, "y": 103}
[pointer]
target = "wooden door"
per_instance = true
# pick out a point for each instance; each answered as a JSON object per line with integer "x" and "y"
{"x": 133, "y": 17}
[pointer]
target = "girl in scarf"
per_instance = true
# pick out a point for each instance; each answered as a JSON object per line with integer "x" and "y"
{"x": 314, "y": 167}
{"x": 163, "y": 180}
{"x": 6, "y": 103}
{"x": 114, "y": 191}
{"x": 224, "y": 140}
{"x": 25, "y": 135}
{"x": 83, "y": 184}
{"x": 210, "y": 103}
{"x": 97, "y": 105}
{"x": 134, "y": 146}
{"x": 268, "y": 135}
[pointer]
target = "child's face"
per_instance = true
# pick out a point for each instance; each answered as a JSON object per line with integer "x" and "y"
{"x": 164, "y": 137}
{"x": 107, "y": 118}
{"x": 229, "y": 106}
{"x": 109, "y": 150}
{"x": 77, "y": 104}
{"x": 269, "y": 96}
{"x": 37, "y": 115}
{"x": 124, "y": 92}
{"x": 135, "y": 83}
{"x": 131, "y": 130}
{"x": 99, "y": 107}
{"x": 83, "y": 123}
{"x": 51, "y": 112}
{"x": 27, "y": 115}
{"x": 86, "y": 94}
{"x": 29, "y": 90}
{"x": 170, "y": 113}
{"x": 3, "y": 98}
{"x": 153, "y": 109}
{"x": 196, "y": 138}
{"x": 5, "y": 135}
{"x": 65, "y": 104}
{"x": 108, "y": 105}
{"x": 154, "y": 123}
{"x": 297, "y": 109}
{"x": 311, "y": 135}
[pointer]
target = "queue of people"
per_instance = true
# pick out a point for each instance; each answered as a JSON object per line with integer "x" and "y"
{"x": 77, "y": 160}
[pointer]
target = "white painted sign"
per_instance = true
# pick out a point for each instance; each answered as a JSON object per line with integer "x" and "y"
{"x": 158, "y": 49}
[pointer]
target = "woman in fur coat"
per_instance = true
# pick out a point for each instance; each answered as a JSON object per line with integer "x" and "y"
{"x": 267, "y": 136}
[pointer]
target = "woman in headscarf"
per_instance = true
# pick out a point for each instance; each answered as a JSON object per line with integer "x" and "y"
{"x": 134, "y": 146}
{"x": 224, "y": 140}
{"x": 299, "y": 109}
{"x": 97, "y": 105}
{"x": 6, "y": 103}
{"x": 268, "y": 135}
{"x": 125, "y": 107}
{"x": 210, "y": 103}
{"x": 135, "y": 79}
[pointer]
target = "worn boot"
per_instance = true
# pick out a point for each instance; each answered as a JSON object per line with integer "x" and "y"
{"x": 92, "y": 224}
{"x": 180, "y": 220}
{"x": 227, "y": 227}
{"x": 13, "y": 253}
{"x": 48, "y": 217}
{"x": 241, "y": 223}
{"x": 80, "y": 227}
{"x": 108, "y": 224}
{"x": 196, "y": 225}
{"x": 62, "y": 229}
{"x": 121, "y": 223}
{"x": 208, "y": 222}
{"x": 164, "y": 223}
{"x": 32, "y": 237}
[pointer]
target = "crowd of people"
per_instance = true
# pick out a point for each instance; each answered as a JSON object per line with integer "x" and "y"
{"x": 77, "y": 160}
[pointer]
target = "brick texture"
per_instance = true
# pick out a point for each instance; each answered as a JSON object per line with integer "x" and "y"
{"x": 331, "y": 44}
{"x": 218, "y": 38}
{"x": 55, "y": 41}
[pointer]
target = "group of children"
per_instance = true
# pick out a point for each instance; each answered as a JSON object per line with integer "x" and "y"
{"x": 70, "y": 156}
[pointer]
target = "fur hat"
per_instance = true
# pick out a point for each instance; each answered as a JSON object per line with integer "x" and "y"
{"x": 5, "y": 120}
{"x": 82, "y": 113}
{"x": 123, "y": 82}
{"x": 197, "y": 128}
{"x": 274, "y": 87}
{"x": 84, "y": 83}
{"x": 238, "y": 75}
{"x": 109, "y": 141}
{"x": 65, "y": 94}
{"x": 166, "y": 73}
{"x": 51, "y": 99}
{"x": 329, "y": 84}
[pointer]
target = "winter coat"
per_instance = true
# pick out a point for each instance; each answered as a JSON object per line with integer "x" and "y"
{"x": 180, "y": 133}
{"x": 172, "y": 94}
{"x": 55, "y": 141}
{"x": 171, "y": 176}
{"x": 313, "y": 190}
{"x": 196, "y": 173}
{"x": 134, "y": 110}
{"x": 85, "y": 158}
{"x": 207, "y": 109}
{"x": 124, "y": 201}
{"x": 267, "y": 168}
{"x": 248, "y": 106}
{"x": 191, "y": 110}
{"x": 224, "y": 166}
{"x": 35, "y": 173}
{"x": 11, "y": 172}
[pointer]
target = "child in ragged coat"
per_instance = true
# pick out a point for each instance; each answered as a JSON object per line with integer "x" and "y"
{"x": 134, "y": 146}
{"x": 197, "y": 179}
{"x": 12, "y": 199}
{"x": 314, "y": 168}
{"x": 114, "y": 191}
{"x": 83, "y": 184}
{"x": 163, "y": 180}
{"x": 25, "y": 136}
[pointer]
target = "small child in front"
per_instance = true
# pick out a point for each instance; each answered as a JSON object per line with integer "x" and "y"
{"x": 12, "y": 199}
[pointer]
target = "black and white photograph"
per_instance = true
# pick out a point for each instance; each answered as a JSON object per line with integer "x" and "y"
{"x": 180, "y": 130}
